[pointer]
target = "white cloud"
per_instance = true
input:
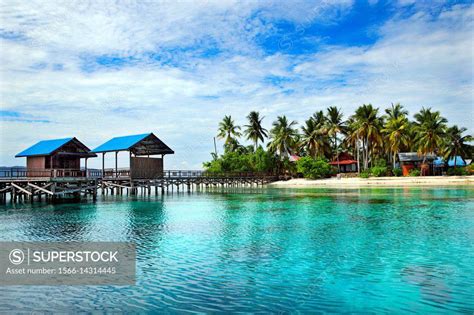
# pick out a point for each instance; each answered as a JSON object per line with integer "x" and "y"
{"x": 419, "y": 61}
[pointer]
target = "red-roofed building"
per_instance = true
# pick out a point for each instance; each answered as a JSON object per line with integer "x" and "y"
{"x": 346, "y": 163}
{"x": 294, "y": 158}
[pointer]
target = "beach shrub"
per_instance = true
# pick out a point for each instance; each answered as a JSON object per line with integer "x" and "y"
{"x": 415, "y": 172}
{"x": 470, "y": 169}
{"x": 304, "y": 165}
{"x": 457, "y": 171}
{"x": 261, "y": 161}
{"x": 243, "y": 161}
{"x": 397, "y": 172}
{"x": 380, "y": 163}
{"x": 379, "y": 171}
{"x": 365, "y": 174}
{"x": 314, "y": 168}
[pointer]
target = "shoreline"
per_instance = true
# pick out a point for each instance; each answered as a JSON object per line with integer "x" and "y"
{"x": 429, "y": 181}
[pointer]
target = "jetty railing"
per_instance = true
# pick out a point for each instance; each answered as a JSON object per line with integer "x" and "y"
{"x": 22, "y": 184}
{"x": 123, "y": 173}
{"x": 23, "y": 173}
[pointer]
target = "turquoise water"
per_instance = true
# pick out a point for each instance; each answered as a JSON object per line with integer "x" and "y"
{"x": 373, "y": 250}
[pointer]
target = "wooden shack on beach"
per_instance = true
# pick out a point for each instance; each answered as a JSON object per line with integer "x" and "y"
{"x": 345, "y": 163}
{"x": 56, "y": 158}
{"x": 413, "y": 160}
{"x": 141, "y": 149}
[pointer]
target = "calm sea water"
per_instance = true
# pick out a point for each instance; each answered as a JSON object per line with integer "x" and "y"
{"x": 375, "y": 250}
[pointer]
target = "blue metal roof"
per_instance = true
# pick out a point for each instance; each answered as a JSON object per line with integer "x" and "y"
{"x": 45, "y": 147}
{"x": 459, "y": 161}
{"x": 120, "y": 143}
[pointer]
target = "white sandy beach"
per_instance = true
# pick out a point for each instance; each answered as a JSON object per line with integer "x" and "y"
{"x": 377, "y": 181}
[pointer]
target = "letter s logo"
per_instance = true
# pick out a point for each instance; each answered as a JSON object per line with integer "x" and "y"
{"x": 16, "y": 256}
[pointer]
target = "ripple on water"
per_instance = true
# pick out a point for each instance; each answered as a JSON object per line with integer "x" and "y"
{"x": 387, "y": 251}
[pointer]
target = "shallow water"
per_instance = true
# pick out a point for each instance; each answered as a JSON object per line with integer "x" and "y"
{"x": 361, "y": 250}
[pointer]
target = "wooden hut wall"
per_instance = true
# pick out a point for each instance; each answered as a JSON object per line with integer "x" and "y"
{"x": 144, "y": 167}
{"x": 35, "y": 163}
{"x": 66, "y": 162}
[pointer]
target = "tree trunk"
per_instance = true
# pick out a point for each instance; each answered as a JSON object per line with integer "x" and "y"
{"x": 367, "y": 153}
{"x": 394, "y": 159}
{"x": 358, "y": 156}
{"x": 337, "y": 155}
{"x": 363, "y": 152}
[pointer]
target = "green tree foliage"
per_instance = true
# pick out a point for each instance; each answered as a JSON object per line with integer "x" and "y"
{"x": 415, "y": 172}
{"x": 396, "y": 131}
{"x": 228, "y": 130}
{"x": 367, "y": 126}
{"x": 254, "y": 130}
{"x": 283, "y": 137}
{"x": 430, "y": 129}
{"x": 314, "y": 168}
{"x": 243, "y": 161}
{"x": 373, "y": 140}
{"x": 314, "y": 139}
{"x": 456, "y": 143}
{"x": 335, "y": 125}
{"x": 397, "y": 172}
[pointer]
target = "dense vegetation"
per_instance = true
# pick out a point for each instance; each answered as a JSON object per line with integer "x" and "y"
{"x": 372, "y": 137}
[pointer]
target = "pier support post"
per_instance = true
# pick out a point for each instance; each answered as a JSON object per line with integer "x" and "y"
{"x": 103, "y": 173}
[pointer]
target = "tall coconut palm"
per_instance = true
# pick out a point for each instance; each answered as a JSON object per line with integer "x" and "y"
{"x": 228, "y": 130}
{"x": 396, "y": 111}
{"x": 283, "y": 136}
{"x": 396, "y": 130}
{"x": 369, "y": 126}
{"x": 352, "y": 138}
{"x": 319, "y": 119}
{"x": 314, "y": 139}
{"x": 430, "y": 130}
{"x": 254, "y": 130}
{"x": 456, "y": 143}
{"x": 335, "y": 126}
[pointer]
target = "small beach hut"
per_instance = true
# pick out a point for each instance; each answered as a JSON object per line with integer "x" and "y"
{"x": 140, "y": 148}
{"x": 57, "y": 157}
{"x": 413, "y": 160}
{"x": 345, "y": 163}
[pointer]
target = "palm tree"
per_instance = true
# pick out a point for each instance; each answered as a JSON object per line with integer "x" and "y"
{"x": 283, "y": 136}
{"x": 396, "y": 111}
{"x": 319, "y": 119}
{"x": 314, "y": 139}
{"x": 335, "y": 125}
{"x": 368, "y": 128}
{"x": 254, "y": 130}
{"x": 430, "y": 129}
{"x": 396, "y": 130}
{"x": 352, "y": 138}
{"x": 228, "y": 130}
{"x": 456, "y": 143}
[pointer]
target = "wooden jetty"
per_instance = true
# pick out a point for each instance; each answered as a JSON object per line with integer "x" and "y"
{"x": 17, "y": 185}
{"x": 53, "y": 171}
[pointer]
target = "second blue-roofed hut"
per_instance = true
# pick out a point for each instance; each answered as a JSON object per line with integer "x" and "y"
{"x": 146, "y": 153}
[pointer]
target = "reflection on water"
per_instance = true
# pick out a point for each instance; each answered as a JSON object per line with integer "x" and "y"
{"x": 264, "y": 250}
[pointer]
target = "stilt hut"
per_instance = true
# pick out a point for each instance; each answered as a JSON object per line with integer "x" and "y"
{"x": 140, "y": 148}
{"x": 56, "y": 158}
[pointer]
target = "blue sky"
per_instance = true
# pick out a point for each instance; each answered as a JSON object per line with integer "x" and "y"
{"x": 95, "y": 70}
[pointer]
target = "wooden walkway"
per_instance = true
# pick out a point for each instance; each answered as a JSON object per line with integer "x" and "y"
{"x": 21, "y": 186}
